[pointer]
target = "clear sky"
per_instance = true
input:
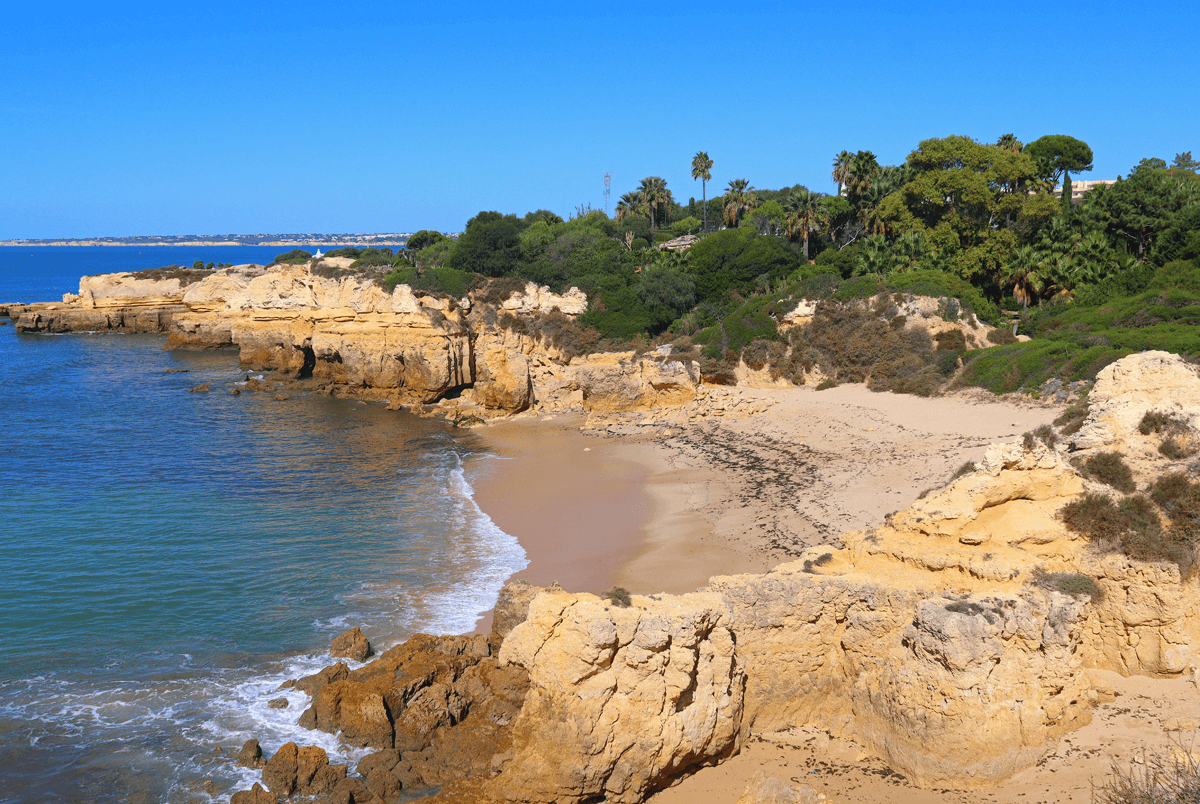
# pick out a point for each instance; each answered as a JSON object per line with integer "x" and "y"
{"x": 173, "y": 118}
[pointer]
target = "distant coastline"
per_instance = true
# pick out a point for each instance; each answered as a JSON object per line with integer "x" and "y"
{"x": 282, "y": 240}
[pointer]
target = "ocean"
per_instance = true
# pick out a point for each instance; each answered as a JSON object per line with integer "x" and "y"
{"x": 169, "y": 558}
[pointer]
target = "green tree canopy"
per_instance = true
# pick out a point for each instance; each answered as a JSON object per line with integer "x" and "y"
{"x": 1058, "y": 155}
{"x": 1134, "y": 211}
{"x": 966, "y": 197}
{"x": 490, "y": 245}
{"x": 423, "y": 238}
{"x": 734, "y": 259}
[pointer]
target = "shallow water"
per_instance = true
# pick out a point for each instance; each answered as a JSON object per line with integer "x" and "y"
{"x": 170, "y": 557}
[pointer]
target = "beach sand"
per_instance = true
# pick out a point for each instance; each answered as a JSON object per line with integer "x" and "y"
{"x": 663, "y": 508}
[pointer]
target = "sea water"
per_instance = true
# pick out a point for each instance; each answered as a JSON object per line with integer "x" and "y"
{"x": 169, "y": 558}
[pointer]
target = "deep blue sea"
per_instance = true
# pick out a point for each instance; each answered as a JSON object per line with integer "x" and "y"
{"x": 170, "y": 557}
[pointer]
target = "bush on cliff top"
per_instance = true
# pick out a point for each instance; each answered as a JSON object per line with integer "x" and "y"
{"x": 296, "y": 256}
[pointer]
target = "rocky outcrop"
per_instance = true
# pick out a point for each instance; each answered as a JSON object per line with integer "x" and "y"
{"x": 622, "y": 381}
{"x": 535, "y": 299}
{"x": 352, "y": 336}
{"x": 620, "y": 699}
{"x": 351, "y": 645}
{"x": 436, "y": 709}
{"x": 1128, "y": 389}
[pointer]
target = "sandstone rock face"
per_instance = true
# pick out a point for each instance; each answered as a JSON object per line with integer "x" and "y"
{"x": 1129, "y": 388}
{"x": 540, "y": 300}
{"x": 351, "y": 645}
{"x": 512, "y": 607}
{"x": 620, "y": 698}
{"x": 620, "y": 382}
{"x": 352, "y": 337}
{"x": 503, "y": 381}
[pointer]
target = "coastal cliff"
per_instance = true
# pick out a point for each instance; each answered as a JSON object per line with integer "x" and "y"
{"x": 954, "y": 641}
{"x": 351, "y": 337}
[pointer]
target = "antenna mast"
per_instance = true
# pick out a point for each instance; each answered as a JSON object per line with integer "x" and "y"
{"x": 607, "y": 190}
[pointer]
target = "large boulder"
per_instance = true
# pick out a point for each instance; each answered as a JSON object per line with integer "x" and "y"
{"x": 351, "y": 645}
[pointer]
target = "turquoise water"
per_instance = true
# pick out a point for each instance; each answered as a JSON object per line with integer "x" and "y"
{"x": 169, "y": 558}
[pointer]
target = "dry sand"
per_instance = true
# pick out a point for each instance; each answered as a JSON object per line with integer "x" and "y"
{"x": 662, "y": 508}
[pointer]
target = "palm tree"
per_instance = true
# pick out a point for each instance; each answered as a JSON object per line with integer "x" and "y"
{"x": 1026, "y": 272}
{"x": 655, "y": 196}
{"x": 804, "y": 215}
{"x": 1009, "y": 142}
{"x": 861, "y": 173}
{"x": 738, "y": 201}
{"x": 841, "y": 167}
{"x": 630, "y": 204}
{"x": 701, "y": 167}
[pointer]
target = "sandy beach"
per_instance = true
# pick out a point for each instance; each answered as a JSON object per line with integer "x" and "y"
{"x": 662, "y": 508}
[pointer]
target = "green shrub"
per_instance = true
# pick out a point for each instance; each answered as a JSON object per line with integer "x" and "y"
{"x": 1174, "y": 450}
{"x": 962, "y": 471}
{"x": 618, "y": 596}
{"x": 1110, "y": 468}
{"x": 294, "y": 257}
{"x": 1180, "y": 499}
{"x": 1069, "y": 583}
{"x": 1046, "y": 435}
{"x": 1155, "y": 422}
{"x": 186, "y": 276}
{"x": 827, "y": 383}
{"x": 951, "y": 340}
{"x": 716, "y": 372}
{"x": 1001, "y": 336}
{"x": 819, "y": 561}
{"x": 860, "y": 287}
{"x": 939, "y": 284}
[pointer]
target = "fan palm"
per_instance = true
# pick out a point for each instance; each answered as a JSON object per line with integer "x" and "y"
{"x": 630, "y": 204}
{"x": 1026, "y": 272}
{"x": 656, "y": 197}
{"x": 701, "y": 167}
{"x": 804, "y": 215}
{"x": 1009, "y": 142}
{"x": 861, "y": 173}
{"x": 738, "y": 201}
{"x": 841, "y": 168}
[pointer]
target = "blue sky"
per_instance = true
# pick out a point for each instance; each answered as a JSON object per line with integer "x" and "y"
{"x": 126, "y": 119}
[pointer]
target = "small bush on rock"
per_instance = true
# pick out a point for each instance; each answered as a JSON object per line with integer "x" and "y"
{"x": 619, "y": 597}
{"x": 966, "y": 469}
{"x": 1175, "y": 450}
{"x": 1069, "y": 583}
{"x": 1155, "y": 422}
{"x": 1110, "y": 468}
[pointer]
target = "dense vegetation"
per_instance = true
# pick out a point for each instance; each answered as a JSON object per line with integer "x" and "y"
{"x": 976, "y": 223}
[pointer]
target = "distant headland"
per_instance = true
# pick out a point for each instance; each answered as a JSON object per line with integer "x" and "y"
{"x": 285, "y": 240}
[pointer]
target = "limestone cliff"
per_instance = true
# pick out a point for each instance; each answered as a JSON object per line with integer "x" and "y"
{"x": 942, "y": 640}
{"x": 351, "y": 336}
